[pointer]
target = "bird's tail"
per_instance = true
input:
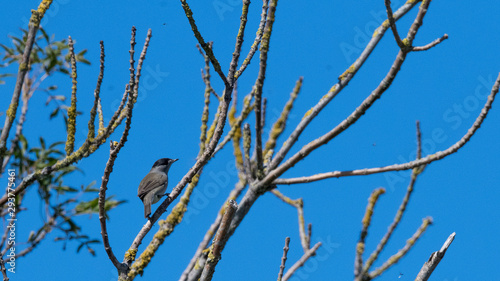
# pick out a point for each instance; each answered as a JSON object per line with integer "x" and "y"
{"x": 147, "y": 209}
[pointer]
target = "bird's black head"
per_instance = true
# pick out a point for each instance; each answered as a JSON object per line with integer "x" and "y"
{"x": 164, "y": 162}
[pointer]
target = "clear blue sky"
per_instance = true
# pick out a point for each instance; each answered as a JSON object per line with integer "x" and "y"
{"x": 436, "y": 87}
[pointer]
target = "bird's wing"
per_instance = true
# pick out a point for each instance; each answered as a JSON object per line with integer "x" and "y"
{"x": 150, "y": 182}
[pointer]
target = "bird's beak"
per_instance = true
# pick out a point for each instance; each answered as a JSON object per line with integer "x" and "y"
{"x": 175, "y": 160}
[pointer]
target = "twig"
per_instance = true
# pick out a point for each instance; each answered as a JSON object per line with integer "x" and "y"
{"x": 24, "y": 67}
{"x": 301, "y": 261}
{"x": 247, "y": 140}
{"x": 283, "y": 259}
{"x": 409, "y": 244}
{"x": 279, "y": 125}
{"x": 205, "y": 46}
{"x": 71, "y": 125}
{"x": 259, "y": 83}
{"x": 392, "y": 23}
{"x": 102, "y": 211}
{"x": 19, "y": 131}
{"x": 219, "y": 242}
{"x": 430, "y": 45}
{"x": 299, "y": 205}
{"x": 257, "y": 40}
{"x": 409, "y": 165}
{"x": 97, "y": 98}
{"x": 239, "y": 42}
{"x": 367, "y": 218}
{"x": 236, "y": 124}
{"x": 434, "y": 260}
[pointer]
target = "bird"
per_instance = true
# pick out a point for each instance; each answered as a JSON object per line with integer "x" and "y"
{"x": 154, "y": 185}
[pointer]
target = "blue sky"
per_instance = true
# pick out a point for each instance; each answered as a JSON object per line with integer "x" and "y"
{"x": 444, "y": 88}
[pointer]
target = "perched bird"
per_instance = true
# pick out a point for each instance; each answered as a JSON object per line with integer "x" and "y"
{"x": 153, "y": 186}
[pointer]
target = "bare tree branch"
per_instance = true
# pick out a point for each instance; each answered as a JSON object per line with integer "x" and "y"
{"x": 430, "y": 45}
{"x": 434, "y": 260}
{"x": 402, "y": 252}
{"x": 259, "y": 83}
{"x": 392, "y": 23}
{"x": 301, "y": 261}
{"x": 344, "y": 79}
{"x": 360, "y": 111}
{"x": 412, "y": 164}
{"x": 205, "y": 46}
{"x": 305, "y": 239}
{"x": 219, "y": 242}
{"x": 257, "y": 40}
{"x": 367, "y": 218}
{"x": 283, "y": 259}
{"x": 71, "y": 124}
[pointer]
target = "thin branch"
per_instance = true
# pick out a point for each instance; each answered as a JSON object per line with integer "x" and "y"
{"x": 301, "y": 261}
{"x": 19, "y": 131}
{"x": 219, "y": 242}
{"x": 71, "y": 125}
{"x": 402, "y": 208}
{"x": 299, "y": 205}
{"x": 247, "y": 140}
{"x": 367, "y": 218}
{"x": 24, "y": 67}
{"x": 239, "y": 42}
{"x": 392, "y": 23}
{"x": 97, "y": 97}
{"x": 102, "y": 211}
{"x": 409, "y": 165}
{"x": 257, "y": 40}
{"x": 280, "y": 124}
{"x": 115, "y": 149}
{"x": 283, "y": 259}
{"x": 236, "y": 124}
{"x": 434, "y": 260}
{"x": 205, "y": 46}
{"x": 344, "y": 79}
{"x": 409, "y": 244}
{"x": 430, "y": 45}
{"x": 259, "y": 84}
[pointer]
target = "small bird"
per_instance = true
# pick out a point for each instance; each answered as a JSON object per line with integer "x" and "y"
{"x": 153, "y": 186}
